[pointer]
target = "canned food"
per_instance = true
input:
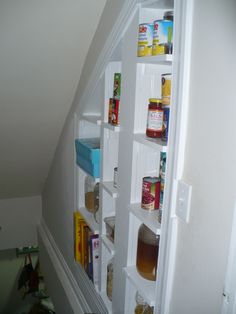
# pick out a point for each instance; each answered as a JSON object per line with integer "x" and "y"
{"x": 110, "y": 110}
{"x": 116, "y": 85}
{"x": 166, "y": 89}
{"x": 159, "y": 215}
{"x": 163, "y": 166}
{"x": 165, "y": 128}
{"x": 115, "y": 112}
{"x": 145, "y": 39}
{"x": 115, "y": 177}
{"x": 150, "y": 193}
{"x": 162, "y": 37}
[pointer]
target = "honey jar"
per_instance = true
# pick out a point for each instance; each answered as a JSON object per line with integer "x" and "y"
{"x": 147, "y": 253}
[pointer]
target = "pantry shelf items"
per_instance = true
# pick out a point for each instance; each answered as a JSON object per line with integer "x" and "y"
{"x": 129, "y": 148}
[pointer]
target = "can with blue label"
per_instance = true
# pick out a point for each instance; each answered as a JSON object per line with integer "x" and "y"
{"x": 165, "y": 128}
{"x": 162, "y": 37}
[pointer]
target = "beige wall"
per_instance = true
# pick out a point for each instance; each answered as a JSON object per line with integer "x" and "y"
{"x": 209, "y": 161}
{"x": 19, "y": 218}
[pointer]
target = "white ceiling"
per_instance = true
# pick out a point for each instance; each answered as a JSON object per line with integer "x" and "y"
{"x": 43, "y": 45}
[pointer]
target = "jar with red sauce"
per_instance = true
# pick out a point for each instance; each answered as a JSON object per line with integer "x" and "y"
{"x": 155, "y": 118}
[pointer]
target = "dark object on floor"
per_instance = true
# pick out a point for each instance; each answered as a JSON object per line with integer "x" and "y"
{"x": 26, "y": 272}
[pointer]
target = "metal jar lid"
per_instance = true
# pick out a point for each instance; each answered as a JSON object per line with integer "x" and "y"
{"x": 155, "y": 100}
{"x": 169, "y": 15}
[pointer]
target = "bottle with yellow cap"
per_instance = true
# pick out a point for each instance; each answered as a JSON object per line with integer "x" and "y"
{"x": 155, "y": 118}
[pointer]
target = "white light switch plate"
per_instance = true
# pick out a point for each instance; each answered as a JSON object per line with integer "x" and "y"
{"x": 184, "y": 192}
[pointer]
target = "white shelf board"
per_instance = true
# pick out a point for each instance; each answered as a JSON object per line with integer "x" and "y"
{"x": 146, "y": 287}
{"x": 155, "y": 143}
{"x": 108, "y": 244}
{"x": 160, "y": 59}
{"x": 95, "y": 119}
{"x": 149, "y": 218}
{"x": 106, "y": 301}
{"x": 115, "y": 128}
{"x": 89, "y": 218}
{"x": 109, "y": 187}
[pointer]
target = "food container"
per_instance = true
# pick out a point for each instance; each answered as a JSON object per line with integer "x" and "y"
{"x": 115, "y": 177}
{"x": 117, "y": 85}
{"x": 169, "y": 15}
{"x": 91, "y": 194}
{"x": 162, "y": 37}
{"x": 155, "y": 118}
{"x": 142, "y": 307}
{"x": 110, "y": 227}
{"x": 88, "y": 155}
{"x": 165, "y": 126}
{"x": 147, "y": 253}
{"x": 110, "y": 279}
{"x": 151, "y": 193}
{"x": 145, "y": 38}
{"x": 166, "y": 88}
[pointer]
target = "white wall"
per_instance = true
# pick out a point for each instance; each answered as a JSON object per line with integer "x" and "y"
{"x": 210, "y": 155}
{"x": 19, "y": 218}
{"x": 58, "y": 194}
{"x": 209, "y": 162}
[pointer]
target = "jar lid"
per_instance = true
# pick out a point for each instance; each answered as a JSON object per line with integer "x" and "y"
{"x": 156, "y": 100}
{"x": 168, "y": 14}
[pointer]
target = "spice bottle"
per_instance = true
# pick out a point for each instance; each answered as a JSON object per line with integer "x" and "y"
{"x": 142, "y": 307}
{"x": 155, "y": 118}
{"x": 147, "y": 253}
{"x": 91, "y": 189}
{"x": 110, "y": 279}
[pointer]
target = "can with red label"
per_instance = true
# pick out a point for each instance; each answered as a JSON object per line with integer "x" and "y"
{"x": 115, "y": 112}
{"x": 151, "y": 193}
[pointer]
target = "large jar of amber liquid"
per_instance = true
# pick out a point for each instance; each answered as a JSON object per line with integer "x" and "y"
{"x": 147, "y": 253}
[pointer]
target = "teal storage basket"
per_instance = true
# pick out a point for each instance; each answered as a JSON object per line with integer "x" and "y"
{"x": 88, "y": 155}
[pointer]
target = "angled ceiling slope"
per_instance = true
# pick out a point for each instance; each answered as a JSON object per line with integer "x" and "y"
{"x": 43, "y": 48}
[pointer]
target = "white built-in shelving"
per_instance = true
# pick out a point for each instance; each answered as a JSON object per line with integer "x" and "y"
{"x": 109, "y": 126}
{"x": 155, "y": 143}
{"x": 145, "y": 287}
{"x": 127, "y": 147}
{"x": 109, "y": 187}
{"x": 149, "y": 218}
{"x": 90, "y": 218}
{"x": 161, "y": 59}
{"x": 92, "y": 118}
{"x": 109, "y": 245}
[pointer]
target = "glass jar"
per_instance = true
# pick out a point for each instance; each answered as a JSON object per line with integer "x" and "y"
{"x": 110, "y": 279}
{"x": 169, "y": 15}
{"x": 91, "y": 190}
{"x": 155, "y": 118}
{"x": 147, "y": 253}
{"x": 142, "y": 307}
